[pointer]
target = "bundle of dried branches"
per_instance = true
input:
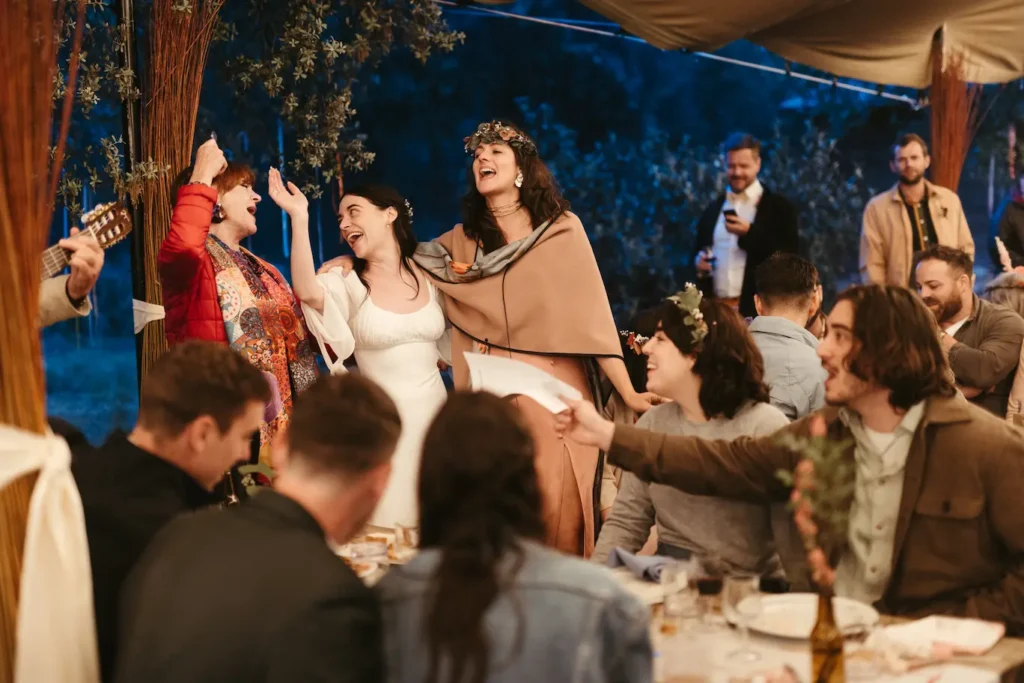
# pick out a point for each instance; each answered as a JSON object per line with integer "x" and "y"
{"x": 29, "y": 170}
{"x": 955, "y": 107}
{"x": 179, "y": 43}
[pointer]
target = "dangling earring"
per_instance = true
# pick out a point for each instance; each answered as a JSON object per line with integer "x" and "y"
{"x": 519, "y": 179}
{"x": 218, "y": 213}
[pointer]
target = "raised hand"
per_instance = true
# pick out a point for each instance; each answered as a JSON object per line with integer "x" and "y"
{"x": 210, "y": 163}
{"x": 289, "y": 198}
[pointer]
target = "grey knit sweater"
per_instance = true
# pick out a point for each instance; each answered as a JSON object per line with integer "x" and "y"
{"x": 734, "y": 533}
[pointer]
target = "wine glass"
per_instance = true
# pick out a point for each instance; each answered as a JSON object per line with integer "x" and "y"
{"x": 677, "y": 601}
{"x": 741, "y": 601}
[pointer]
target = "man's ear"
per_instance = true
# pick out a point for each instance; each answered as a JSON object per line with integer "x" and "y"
{"x": 200, "y": 433}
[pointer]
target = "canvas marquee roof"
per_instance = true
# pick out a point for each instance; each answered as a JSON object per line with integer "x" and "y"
{"x": 880, "y": 41}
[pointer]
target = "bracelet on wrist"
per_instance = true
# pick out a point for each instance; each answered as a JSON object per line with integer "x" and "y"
{"x": 75, "y": 303}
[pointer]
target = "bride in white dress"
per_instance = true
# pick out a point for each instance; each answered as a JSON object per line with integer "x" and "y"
{"x": 386, "y": 311}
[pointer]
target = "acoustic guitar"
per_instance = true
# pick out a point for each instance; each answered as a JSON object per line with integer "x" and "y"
{"x": 108, "y": 223}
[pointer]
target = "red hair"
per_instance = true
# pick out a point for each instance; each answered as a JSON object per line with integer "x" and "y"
{"x": 233, "y": 176}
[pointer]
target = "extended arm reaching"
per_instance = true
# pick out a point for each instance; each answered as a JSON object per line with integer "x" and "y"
{"x": 304, "y": 283}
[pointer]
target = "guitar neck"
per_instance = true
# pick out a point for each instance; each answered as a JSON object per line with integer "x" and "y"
{"x": 55, "y": 259}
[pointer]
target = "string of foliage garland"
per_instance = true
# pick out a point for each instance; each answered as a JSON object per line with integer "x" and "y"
{"x": 179, "y": 42}
{"x": 28, "y": 177}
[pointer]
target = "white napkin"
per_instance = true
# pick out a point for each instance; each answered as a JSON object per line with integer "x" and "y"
{"x": 926, "y": 637}
{"x": 145, "y": 313}
{"x": 507, "y": 377}
{"x": 56, "y": 633}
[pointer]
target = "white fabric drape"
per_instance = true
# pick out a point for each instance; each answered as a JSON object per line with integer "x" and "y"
{"x": 879, "y": 41}
{"x": 56, "y": 632}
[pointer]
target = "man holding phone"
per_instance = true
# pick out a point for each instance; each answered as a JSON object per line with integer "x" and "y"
{"x": 740, "y": 229}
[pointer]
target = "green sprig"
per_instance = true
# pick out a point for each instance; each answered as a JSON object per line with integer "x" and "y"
{"x": 831, "y": 493}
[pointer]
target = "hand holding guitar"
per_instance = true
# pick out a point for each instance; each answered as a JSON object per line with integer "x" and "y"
{"x": 86, "y": 261}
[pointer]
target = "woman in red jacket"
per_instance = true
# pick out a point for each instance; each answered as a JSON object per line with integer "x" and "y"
{"x": 216, "y": 290}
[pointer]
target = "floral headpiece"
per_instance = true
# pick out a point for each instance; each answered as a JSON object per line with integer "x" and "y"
{"x": 408, "y": 211}
{"x": 688, "y": 301}
{"x": 495, "y": 131}
{"x": 634, "y": 341}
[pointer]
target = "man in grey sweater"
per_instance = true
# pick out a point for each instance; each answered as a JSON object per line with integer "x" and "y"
{"x": 788, "y": 299}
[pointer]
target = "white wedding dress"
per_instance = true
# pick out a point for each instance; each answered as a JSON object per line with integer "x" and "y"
{"x": 398, "y": 351}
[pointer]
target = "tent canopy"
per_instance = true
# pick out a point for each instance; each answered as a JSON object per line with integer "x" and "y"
{"x": 880, "y": 41}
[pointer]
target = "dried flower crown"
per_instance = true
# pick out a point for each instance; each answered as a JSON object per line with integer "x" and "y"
{"x": 495, "y": 131}
{"x": 688, "y": 301}
{"x": 634, "y": 341}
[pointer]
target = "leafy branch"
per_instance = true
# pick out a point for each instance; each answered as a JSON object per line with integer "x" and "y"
{"x": 314, "y": 52}
{"x": 830, "y": 496}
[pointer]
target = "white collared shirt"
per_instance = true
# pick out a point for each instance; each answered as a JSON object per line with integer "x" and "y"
{"x": 865, "y": 568}
{"x": 731, "y": 261}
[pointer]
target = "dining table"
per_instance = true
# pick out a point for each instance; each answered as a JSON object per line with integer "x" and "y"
{"x": 698, "y": 650}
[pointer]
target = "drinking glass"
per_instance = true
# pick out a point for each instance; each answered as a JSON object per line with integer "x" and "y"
{"x": 678, "y": 602}
{"x": 709, "y": 586}
{"x": 741, "y": 602}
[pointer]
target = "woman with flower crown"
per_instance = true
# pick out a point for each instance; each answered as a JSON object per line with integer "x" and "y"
{"x": 387, "y": 312}
{"x": 520, "y": 279}
{"x": 702, "y": 358}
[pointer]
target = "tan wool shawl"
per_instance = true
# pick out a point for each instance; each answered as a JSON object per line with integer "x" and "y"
{"x": 541, "y": 295}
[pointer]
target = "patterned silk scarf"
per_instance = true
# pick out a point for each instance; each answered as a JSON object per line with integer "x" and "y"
{"x": 265, "y": 324}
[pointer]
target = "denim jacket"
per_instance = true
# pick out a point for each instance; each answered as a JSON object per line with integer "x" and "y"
{"x": 792, "y": 369}
{"x": 574, "y": 621}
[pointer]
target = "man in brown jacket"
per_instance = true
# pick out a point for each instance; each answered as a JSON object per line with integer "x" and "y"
{"x": 911, "y": 216}
{"x": 981, "y": 339}
{"x": 937, "y": 523}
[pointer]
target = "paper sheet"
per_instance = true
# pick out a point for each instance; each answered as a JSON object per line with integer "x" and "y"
{"x": 506, "y": 377}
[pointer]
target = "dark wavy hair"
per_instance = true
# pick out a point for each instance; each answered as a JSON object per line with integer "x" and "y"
{"x": 539, "y": 195}
{"x": 383, "y": 197}
{"x": 728, "y": 363}
{"x": 896, "y": 344}
{"x": 479, "y": 497}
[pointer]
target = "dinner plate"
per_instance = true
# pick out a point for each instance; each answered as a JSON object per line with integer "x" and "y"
{"x": 793, "y": 615}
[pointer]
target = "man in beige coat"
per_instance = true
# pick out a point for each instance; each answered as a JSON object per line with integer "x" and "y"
{"x": 67, "y": 296}
{"x": 909, "y": 217}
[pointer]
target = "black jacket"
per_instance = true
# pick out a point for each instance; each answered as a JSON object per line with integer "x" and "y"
{"x": 128, "y": 495}
{"x": 775, "y": 228}
{"x": 251, "y": 593}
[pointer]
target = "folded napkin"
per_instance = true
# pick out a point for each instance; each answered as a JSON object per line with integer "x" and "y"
{"x": 646, "y": 567}
{"x": 938, "y": 636}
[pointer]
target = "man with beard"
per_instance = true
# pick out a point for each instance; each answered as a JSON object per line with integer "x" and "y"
{"x": 911, "y": 216}
{"x": 934, "y": 526}
{"x": 742, "y": 228}
{"x": 982, "y": 339}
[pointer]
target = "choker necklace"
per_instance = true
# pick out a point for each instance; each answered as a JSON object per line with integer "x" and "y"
{"x": 507, "y": 210}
